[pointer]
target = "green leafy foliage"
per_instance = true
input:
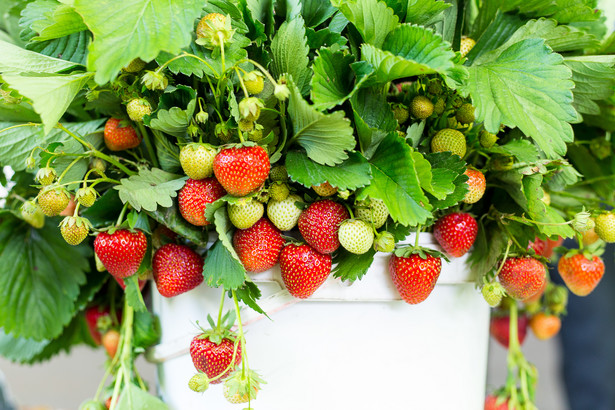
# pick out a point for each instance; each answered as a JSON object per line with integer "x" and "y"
{"x": 134, "y": 298}
{"x": 290, "y": 54}
{"x": 395, "y": 181}
{"x": 35, "y": 264}
{"x": 20, "y": 349}
{"x": 373, "y": 118}
{"x": 559, "y": 38}
{"x": 141, "y": 28}
{"x": 594, "y": 79}
{"x": 71, "y": 48}
{"x": 524, "y": 85}
{"x": 489, "y": 247}
{"x": 146, "y": 329}
{"x": 133, "y": 398}
{"x": 14, "y": 59}
{"x": 316, "y": 12}
{"x": 372, "y": 18}
{"x": 447, "y": 170}
{"x": 175, "y": 111}
{"x": 351, "y": 174}
{"x": 351, "y": 267}
{"x": 172, "y": 219}
{"x": 149, "y": 189}
{"x": 249, "y": 293}
{"x": 50, "y": 19}
{"x": 325, "y": 137}
{"x": 408, "y": 51}
{"x": 425, "y": 12}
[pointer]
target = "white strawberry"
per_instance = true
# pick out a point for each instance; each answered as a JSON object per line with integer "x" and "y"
{"x": 284, "y": 214}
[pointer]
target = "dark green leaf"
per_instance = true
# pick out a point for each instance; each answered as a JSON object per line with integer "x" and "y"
{"x": 172, "y": 219}
{"x": 372, "y": 18}
{"x": 150, "y": 189}
{"x": 133, "y": 294}
{"x": 522, "y": 149}
{"x": 146, "y": 329}
{"x": 14, "y": 59}
{"x": 316, "y": 12}
{"x": 351, "y": 267}
{"x": 133, "y": 398}
{"x": 425, "y": 12}
{"x": 249, "y": 293}
{"x": 488, "y": 249}
{"x": 373, "y": 118}
{"x": 594, "y": 79}
{"x": 71, "y": 48}
{"x": 175, "y": 111}
{"x": 105, "y": 210}
{"x": 290, "y": 54}
{"x": 351, "y": 174}
{"x": 20, "y": 349}
{"x": 445, "y": 165}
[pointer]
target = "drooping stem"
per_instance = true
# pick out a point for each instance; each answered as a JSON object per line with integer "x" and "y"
{"x": 68, "y": 168}
{"x": 148, "y": 144}
{"x": 122, "y": 213}
{"x": 218, "y": 323}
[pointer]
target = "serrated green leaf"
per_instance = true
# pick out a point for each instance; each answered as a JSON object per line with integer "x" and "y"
{"x": 133, "y": 398}
{"x": 445, "y": 166}
{"x": 73, "y": 334}
{"x": 552, "y": 223}
{"x": 594, "y": 79}
{"x": 576, "y": 10}
{"x": 290, "y": 54}
{"x": 502, "y": 27}
{"x": 50, "y": 19}
{"x": 19, "y": 349}
{"x": 50, "y": 94}
{"x": 325, "y": 137}
{"x": 71, "y": 48}
{"x": 334, "y": 80}
{"x": 373, "y": 118}
{"x": 351, "y": 267}
{"x": 522, "y": 149}
{"x": 175, "y": 111}
{"x": 372, "y": 18}
{"x": 425, "y": 12}
{"x": 409, "y": 51}
{"x": 351, "y": 174}
{"x": 316, "y": 12}
{"x": 172, "y": 219}
{"x": 222, "y": 266}
{"x": 15, "y": 59}
{"x": 438, "y": 182}
{"x": 324, "y": 38}
{"x": 149, "y": 189}
{"x": 525, "y": 85}
{"x": 394, "y": 180}
{"x": 38, "y": 287}
{"x": 141, "y": 28}
{"x": 134, "y": 298}
{"x": 489, "y": 247}
{"x": 249, "y": 293}
{"x": 559, "y": 38}
{"x": 146, "y": 329}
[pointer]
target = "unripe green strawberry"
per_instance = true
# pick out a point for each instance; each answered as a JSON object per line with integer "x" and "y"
{"x": 99, "y": 165}
{"x": 197, "y": 160}
{"x": 501, "y": 163}
{"x": 92, "y": 405}
{"x": 45, "y": 176}
{"x": 138, "y": 108}
{"x": 256, "y": 134}
{"x": 384, "y": 242}
{"x": 435, "y": 87}
{"x": 605, "y": 226}
{"x": 86, "y": 196}
{"x": 74, "y": 229}
{"x": 278, "y": 173}
{"x": 222, "y": 132}
{"x": 421, "y": 107}
{"x": 449, "y": 140}
{"x": 467, "y": 44}
{"x": 244, "y": 214}
{"x": 487, "y": 139}
{"x": 439, "y": 106}
{"x": 372, "y": 210}
{"x": 135, "y": 66}
{"x": 250, "y": 108}
{"x": 325, "y": 189}
{"x": 99, "y": 265}
{"x": 343, "y": 193}
{"x": 155, "y": 80}
{"x": 245, "y": 125}
{"x": 214, "y": 30}
{"x": 356, "y": 236}
{"x": 254, "y": 82}
{"x": 32, "y": 214}
{"x": 199, "y": 383}
{"x": 465, "y": 114}
{"x": 284, "y": 214}
{"x": 278, "y": 191}
{"x": 493, "y": 293}
{"x": 53, "y": 200}
{"x": 401, "y": 113}
{"x": 241, "y": 387}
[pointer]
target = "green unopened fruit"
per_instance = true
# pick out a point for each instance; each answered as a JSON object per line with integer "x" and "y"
{"x": 487, "y": 139}
{"x": 86, "y": 196}
{"x": 74, "y": 229}
{"x": 465, "y": 114}
{"x": 605, "y": 226}
{"x": 197, "y": 160}
{"x": 32, "y": 214}
{"x": 467, "y": 44}
{"x": 138, "y": 108}
{"x": 356, "y": 236}
{"x": 254, "y": 82}
{"x": 135, "y": 66}
{"x": 401, "y": 113}
{"x": 245, "y": 213}
{"x": 449, "y": 140}
{"x": 52, "y": 200}
{"x": 439, "y": 106}
{"x": 372, "y": 210}
{"x": 278, "y": 191}
{"x": 278, "y": 173}
{"x": 45, "y": 176}
{"x": 435, "y": 87}
{"x": 501, "y": 163}
{"x": 421, "y": 107}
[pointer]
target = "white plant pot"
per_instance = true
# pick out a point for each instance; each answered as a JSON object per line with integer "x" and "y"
{"x": 354, "y": 347}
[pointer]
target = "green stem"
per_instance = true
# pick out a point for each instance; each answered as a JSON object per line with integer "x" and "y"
{"x": 583, "y": 198}
{"x": 416, "y": 240}
{"x": 283, "y": 129}
{"x": 184, "y": 55}
{"x": 221, "y": 38}
{"x": 504, "y": 259}
{"x": 76, "y": 213}
{"x": 148, "y": 144}
{"x": 75, "y": 136}
{"x": 244, "y": 357}
{"x": 67, "y": 168}
{"x": 110, "y": 160}
{"x": 121, "y": 217}
{"x": 243, "y": 86}
{"x": 116, "y": 390}
{"x": 218, "y": 323}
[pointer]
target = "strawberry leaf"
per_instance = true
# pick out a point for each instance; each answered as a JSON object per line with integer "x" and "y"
{"x": 444, "y": 167}
{"x": 132, "y": 33}
{"x": 594, "y": 79}
{"x": 372, "y": 18}
{"x": 172, "y": 219}
{"x": 14, "y": 59}
{"x": 48, "y": 20}
{"x": 351, "y": 267}
{"x": 489, "y": 247}
{"x": 316, "y": 12}
{"x": 34, "y": 262}
{"x": 149, "y": 189}
{"x": 19, "y": 349}
{"x": 395, "y": 181}
{"x": 425, "y": 12}
{"x": 525, "y": 85}
{"x": 373, "y": 118}
{"x": 439, "y": 182}
{"x": 540, "y": 212}
{"x": 249, "y": 293}
{"x": 409, "y": 51}
{"x": 351, "y": 174}
{"x": 174, "y": 111}
{"x": 146, "y": 329}
{"x": 133, "y": 294}
{"x": 290, "y": 54}
{"x": 133, "y": 398}
{"x": 325, "y": 137}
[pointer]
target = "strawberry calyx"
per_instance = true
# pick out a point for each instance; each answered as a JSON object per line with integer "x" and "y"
{"x": 219, "y": 332}
{"x": 595, "y": 249}
{"x": 423, "y": 252}
{"x": 243, "y": 385}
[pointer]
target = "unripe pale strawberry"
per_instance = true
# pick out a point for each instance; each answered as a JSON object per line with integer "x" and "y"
{"x": 199, "y": 382}
{"x": 421, "y": 107}
{"x": 244, "y": 214}
{"x": 487, "y": 139}
{"x": 465, "y": 114}
{"x": 449, "y": 140}
{"x": 278, "y": 191}
{"x": 45, "y": 176}
{"x": 476, "y": 186}
{"x": 467, "y": 44}
{"x": 439, "y": 106}
{"x": 214, "y": 30}
{"x": 284, "y": 214}
{"x": 135, "y": 66}
{"x": 278, "y": 173}
{"x": 493, "y": 293}
{"x": 324, "y": 189}
{"x": 372, "y": 210}
{"x": 138, "y": 108}
{"x": 254, "y": 82}
{"x": 53, "y": 200}
{"x": 356, "y": 236}
{"x": 197, "y": 160}
{"x": 32, "y": 214}
{"x": 605, "y": 226}
{"x": 401, "y": 113}
{"x": 74, "y": 229}
{"x": 86, "y": 196}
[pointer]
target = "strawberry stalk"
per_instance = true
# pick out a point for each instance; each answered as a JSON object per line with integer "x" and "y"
{"x": 148, "y": 144}
{"x": 125, "y": 356}
{"x": 219, "y": 322}
{"x": 68, "y": 168}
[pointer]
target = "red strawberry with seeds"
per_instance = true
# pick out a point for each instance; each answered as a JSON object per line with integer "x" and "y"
{"x": 522, "y": 277}
{"x": 213, "y": 358}
{"x": 259, "y": 246}
{"x": 194, "y": 197}
{"x": 177, "y": 269}
{"x": 303, "y": 269}
{"x": 580, "y": 273}
{"x": 456, "y": 233}
{"x": 242, "y": 171}
{"x": 476, "y": 186}
{"x": 121, "y": 252}
{"x": 98, "y": 318}
{"x": 119, "y": 138}
{"x": 319, "y": 224}
{"x": 415, "y": 275}
{"x": 539, "y": 246}
{"x": 500, "y": 329}
{"x": 494, "y": 403}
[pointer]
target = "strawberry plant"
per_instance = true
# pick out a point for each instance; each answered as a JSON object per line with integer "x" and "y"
{"x": 349, "y": 123}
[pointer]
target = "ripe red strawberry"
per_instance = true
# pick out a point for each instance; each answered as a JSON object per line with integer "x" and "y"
{"x": 522, "y": 277}
{"x": 303, "y": 269}
{"x": 494, "y": 403}
{"x": 476, "y": 184}
{"x": 581, "y": 274}
{"x": 194, "y": 197}
{"x": 177, "y": 269}
{"x": 536, "y": 296}
{"x": 500, "y": 329}
{"x": 319, "y": 224}
{"x": 551, "y": 245}
{"x": 456, "y": 233}
{"x": 98, "y": 318}
{"x": 241, "y": 171}
{"x": 414, "y": 276}
{"x": 259, "y": 246}
{"x": 538, "y": 245}
{"x": 121, "y": 252}
{"x": 119, "y": 138}
{"x": 213, "y": 358}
